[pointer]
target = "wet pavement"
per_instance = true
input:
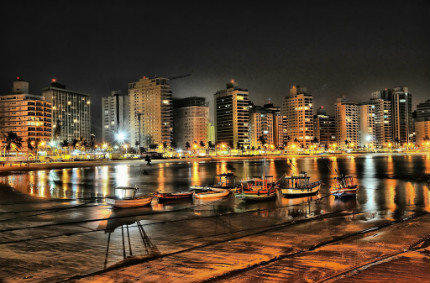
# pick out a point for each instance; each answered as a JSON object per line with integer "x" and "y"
{"x": 55, "y": 226}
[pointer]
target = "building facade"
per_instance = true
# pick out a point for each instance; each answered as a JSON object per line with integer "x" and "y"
{"x": 115, "y": 111}
{"x": 402, "y": 122}
{"x": 27, "y": 115}
{"x": 266, "y": 125}
{"x": 191, "y": 121}
{"x": 422, "y": 124}
{"x": 297, "y": 107}
{"x": 324, "y": 128}
{"x": 347, "y": 122}
{"x": 71, "y": 116}
{"x": 383, "y": 118}
{"x": 151, "y": 112}
{"x": 367, "y": 134}
{"x": 232, "y": 116}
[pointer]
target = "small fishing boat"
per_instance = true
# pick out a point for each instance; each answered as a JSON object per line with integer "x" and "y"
{"x": 345, "y": 187}
{"x": 209, "y": 194}
{"x": 258, "y": 189}
{"x": 221, "y": 182}
{"x": 125, "y": 197}
{"x": 299, "y": 186}
{"x": 162, "y": 197}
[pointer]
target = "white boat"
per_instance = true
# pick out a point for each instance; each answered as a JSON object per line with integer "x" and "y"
{"x": 211, "y": 194}
{"x": 299, "y": 186}
{"x": 125, "y": 197}
{"x": 225, "y": 181}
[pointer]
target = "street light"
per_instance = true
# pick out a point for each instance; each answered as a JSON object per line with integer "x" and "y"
{"x": 120, "y": 138}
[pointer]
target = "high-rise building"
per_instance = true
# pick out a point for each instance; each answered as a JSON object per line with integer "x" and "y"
{"x": 324, "y": 128}
{"x": 151, "y": 112}
{"x": 27, "y": 115}
{"x": 401, "y": 105}
{"x": 422, "y": 124}
{"x": 232, "y": 116}
{"x": 266, "y": 125}
{"x": 297, "y": 107}
{"x": 211, "y": 132}
{"x": 423, "y": 111}
{"x": 347, "y": 122}
{"x": 393, "y": 110}
{"x": 115, "y": 110}
{"x": 366, "y": 133}
{"x": 191, "y": 121}
{"x": 383, "y": 123}
{"x": 71, "y": 117}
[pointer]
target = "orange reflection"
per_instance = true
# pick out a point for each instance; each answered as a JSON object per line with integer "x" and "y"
{"x": 390, "y": 194}
{"x": 272, "y": 170}
{"x": 221, "y": 167}
{"x": 161, "y": 179}
{"x": 195, "y": 178}
{"x": 41, "y": 183}
{"x": 409, "y": 194}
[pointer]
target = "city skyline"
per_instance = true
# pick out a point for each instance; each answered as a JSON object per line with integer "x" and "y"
{"x": 331, "y": 48}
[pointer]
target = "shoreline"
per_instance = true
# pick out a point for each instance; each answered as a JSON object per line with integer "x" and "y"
{"x": 94, "y": 163}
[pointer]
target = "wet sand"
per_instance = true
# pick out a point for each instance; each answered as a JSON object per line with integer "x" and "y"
{"x": 312, "y": 251}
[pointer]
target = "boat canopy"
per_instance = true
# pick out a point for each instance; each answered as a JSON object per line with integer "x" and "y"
{"x": 125, "y": 192}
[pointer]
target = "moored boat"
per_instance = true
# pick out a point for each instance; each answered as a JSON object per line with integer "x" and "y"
{"x": 345, "y": 187}
{"x": 125, "y": 197}
{"x": 209, "y": 194}
{"x": 258, "y": 189}
{"x": 299, "y": 186}
{"x": 162, "y": 197}
{"x": 221, "y": 182}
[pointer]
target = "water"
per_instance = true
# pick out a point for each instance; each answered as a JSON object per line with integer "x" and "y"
{"x": 391, "y": 183}
{"x": 57, "y": 214}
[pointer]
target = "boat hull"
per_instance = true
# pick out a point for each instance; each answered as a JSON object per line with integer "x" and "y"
{"x": 129, "y": 203}
{"x": 344, "y": 193}
{"x": 211, "y": 194}
{"x": 293, "y": 192}
{"x": 162, "y": 197}
{"x": 256, "y": 196}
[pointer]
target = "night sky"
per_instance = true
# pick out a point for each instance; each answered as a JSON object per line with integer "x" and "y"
{"x": 333, "y": 48}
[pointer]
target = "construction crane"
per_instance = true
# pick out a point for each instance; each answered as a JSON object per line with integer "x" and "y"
{"x": 179, "y": 77}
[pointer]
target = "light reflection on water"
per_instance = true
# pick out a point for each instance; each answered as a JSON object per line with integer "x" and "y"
{"x": 387, "y": 182}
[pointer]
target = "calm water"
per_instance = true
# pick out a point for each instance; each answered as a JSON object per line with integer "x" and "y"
{"x": 390, "y": 183}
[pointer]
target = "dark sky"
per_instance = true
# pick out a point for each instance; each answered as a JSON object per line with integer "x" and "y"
{"x": 333, "y": 48}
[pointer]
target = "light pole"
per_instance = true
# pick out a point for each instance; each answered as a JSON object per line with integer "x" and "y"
{"x": 120, "y": 137}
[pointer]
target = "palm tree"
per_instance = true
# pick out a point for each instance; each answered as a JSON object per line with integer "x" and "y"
{"x": 202, "y": 144}
{"x": 12, "y": 141}
{"x": 74, "y": 143}
{"x": 187, "y": 145}
{"x": 173, "y": 144}
{"x": 262, "y": 140}
{"x": 65, "y": 144}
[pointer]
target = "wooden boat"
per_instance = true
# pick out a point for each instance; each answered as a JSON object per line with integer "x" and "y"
{"x": 211, "y": 194}
{"x": 258, "y": 189}
{"x": 299, "y": 186}
{"x": 162, "y": 197}
{"x": 345, "y": 187}
{"x": 221, "y": 182}
{"x": 125, "y": 197}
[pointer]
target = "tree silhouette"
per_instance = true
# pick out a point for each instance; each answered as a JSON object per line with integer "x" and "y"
{"x": 202, "y": 144}
{"x": 187, "y": 145}
{"x": 12, "y": 140}
{"x": 262, "y": 140}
